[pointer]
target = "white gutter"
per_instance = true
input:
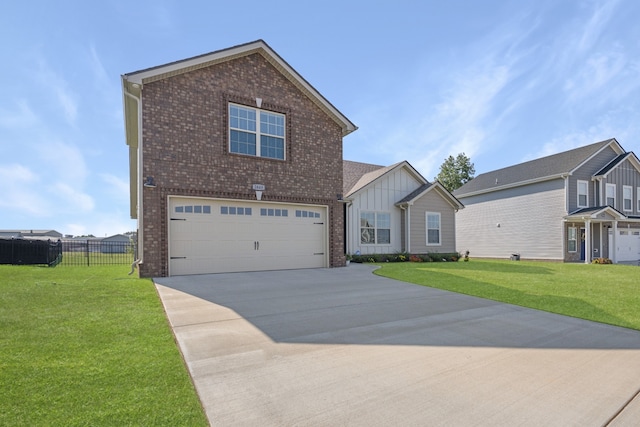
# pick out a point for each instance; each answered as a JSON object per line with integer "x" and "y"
{"x": 139, "y": 211}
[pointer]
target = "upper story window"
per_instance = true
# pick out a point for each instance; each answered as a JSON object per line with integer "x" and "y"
{"x": 433, "y": 228}
{"x": 256, "y": 132}
{"x": 583, "y": 194}
{"x": 611, "y": 195}
{"x": 375, "y": 228}
{"x": 627, "y": 198}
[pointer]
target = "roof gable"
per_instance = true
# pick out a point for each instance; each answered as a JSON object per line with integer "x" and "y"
{"x": 613, "y": 164}
{"x": 132, "y": 82}
{"x": 542, "y": 169}
{"x": 376, "y": 173}
{"x": 426, "y": 188}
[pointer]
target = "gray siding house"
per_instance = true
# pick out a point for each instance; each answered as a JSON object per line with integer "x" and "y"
{"x": 573, "y": 206}
{"x": 395, "y": 209}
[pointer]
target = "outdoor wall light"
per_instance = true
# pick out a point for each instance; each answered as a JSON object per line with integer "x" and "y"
{"x": 149, "y": 182}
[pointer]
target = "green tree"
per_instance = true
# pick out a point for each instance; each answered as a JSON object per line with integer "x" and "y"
{"x": 455, "y": 172}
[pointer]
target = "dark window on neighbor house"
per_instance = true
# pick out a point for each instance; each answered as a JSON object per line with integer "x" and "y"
{"x": 572, "y": 237}
{"x": 611, "y": 195}
{"x": 256, "y": 132}
{"x": 627, "y": 198}
{"x": 583, "y": 194}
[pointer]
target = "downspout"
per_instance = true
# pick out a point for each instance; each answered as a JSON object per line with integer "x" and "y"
{"x": 347, "y": 203}
{"x": 139, "y": 210}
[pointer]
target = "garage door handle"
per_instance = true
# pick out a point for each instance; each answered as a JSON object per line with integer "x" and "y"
{"x": 318, "y": 223}
{"x": 178, "y": 219}
{"x": 256, "y": 246}
{"x": 319, "y": 253}
{"x": 178, "y": 257}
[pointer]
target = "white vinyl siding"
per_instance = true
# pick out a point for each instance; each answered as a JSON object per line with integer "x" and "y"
{"x": 611, "y": 195}
{"x": 433, "y": 228}
{"x": 627, "y": 198}
{"x": 638, "y": 199}
{"x": 583, "y": 194}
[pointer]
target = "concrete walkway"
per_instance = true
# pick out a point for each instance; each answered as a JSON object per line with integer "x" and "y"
{"x": 345, "y": 347}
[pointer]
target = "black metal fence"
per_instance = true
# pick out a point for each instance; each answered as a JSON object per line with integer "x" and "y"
{"x": 97, "y": 252}
{"x": 30, "y": 252}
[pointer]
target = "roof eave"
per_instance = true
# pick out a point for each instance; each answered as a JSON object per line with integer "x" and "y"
{"x": 259, "y": 46}
{"x": 512, "y": 185}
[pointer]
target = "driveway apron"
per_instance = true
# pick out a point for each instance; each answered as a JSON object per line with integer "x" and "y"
{"x": 345, "y": 347}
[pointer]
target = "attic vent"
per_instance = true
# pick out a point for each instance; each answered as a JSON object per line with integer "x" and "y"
{"x": 496, "y": 181}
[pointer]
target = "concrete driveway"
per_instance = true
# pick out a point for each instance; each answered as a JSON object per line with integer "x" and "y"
{"x": 345, "y": 347}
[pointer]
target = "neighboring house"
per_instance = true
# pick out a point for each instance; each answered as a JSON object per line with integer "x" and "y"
{"x": 31, "y": 234}
{"x": 573, "y": 206}
{"x": 116, "y": 244}
{"x": 235, "y": 165}
{"x": 395, "y": 209}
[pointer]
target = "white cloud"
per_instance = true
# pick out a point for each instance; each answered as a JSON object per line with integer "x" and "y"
{"x": 20, "y": 191}
{"x": 66, "y": 99}
{"x": 70, "y": 199}
{"x": 21, "y": 116}
{"x": 116, "y": 187}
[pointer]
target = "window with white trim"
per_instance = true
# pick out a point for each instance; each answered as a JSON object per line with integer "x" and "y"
{"x": 572, "y": 239}
{"x": 256, "y": 132}
{"x": 627, "y": 198}
{"x": 375, "y": 228}
{"x": 583, "y": 194}
{"x": 611, "y": 195}
{"x": 433, "y": 228}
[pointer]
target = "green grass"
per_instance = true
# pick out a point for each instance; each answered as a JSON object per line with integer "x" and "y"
{"x": 88, "y": 346}
{"x": 603, "y": 293}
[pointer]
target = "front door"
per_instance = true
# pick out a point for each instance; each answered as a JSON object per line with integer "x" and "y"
{"x": 583, "y": 239}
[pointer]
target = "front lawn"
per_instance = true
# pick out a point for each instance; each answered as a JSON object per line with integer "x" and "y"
{"x": 88, "y": 346}
{"x": 603, "y": 293}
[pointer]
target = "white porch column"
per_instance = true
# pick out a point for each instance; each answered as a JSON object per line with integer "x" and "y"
{"x": 587, "y": 242}
{"x": 613, "y": 252}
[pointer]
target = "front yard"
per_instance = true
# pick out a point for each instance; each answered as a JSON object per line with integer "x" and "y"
{"x": 88, "y": 346}
{"x": 603, "y": 293}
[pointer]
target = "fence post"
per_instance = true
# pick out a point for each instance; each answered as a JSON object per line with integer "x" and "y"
{"x": 87, "y": 251}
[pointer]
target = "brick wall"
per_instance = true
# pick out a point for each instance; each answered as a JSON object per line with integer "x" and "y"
{"x": 186, "y": 149}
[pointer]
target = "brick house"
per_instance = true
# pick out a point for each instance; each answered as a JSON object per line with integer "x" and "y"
{"x": 235, "y": 165}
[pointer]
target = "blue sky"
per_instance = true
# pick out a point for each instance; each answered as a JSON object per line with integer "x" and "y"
{"x": 502, "y": 81}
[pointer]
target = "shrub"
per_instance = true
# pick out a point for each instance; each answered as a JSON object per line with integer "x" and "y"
{"x": 601, "y": 261}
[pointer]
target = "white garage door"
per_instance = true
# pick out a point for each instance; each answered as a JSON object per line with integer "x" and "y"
{"x": 628, "y": 245}
{"x": 216, "y": 236}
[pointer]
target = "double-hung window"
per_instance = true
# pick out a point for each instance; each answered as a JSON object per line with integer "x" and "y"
{"x": 611, "y": 195}
{"x": 375, "y": 228}
{"x": 256, "y": 132}
{"x": 627, "y": 198}
{"x": 433, "y": 228}
{"x": 583, "y": 194}
{"x": 572, "y": 238}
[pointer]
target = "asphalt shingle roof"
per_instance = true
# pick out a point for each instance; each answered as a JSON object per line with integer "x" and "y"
{"x": 553, "y": 165}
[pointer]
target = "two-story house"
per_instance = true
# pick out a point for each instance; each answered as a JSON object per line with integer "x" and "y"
{"x": 572, "y": 206}
{"x": 235, "y": 165}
